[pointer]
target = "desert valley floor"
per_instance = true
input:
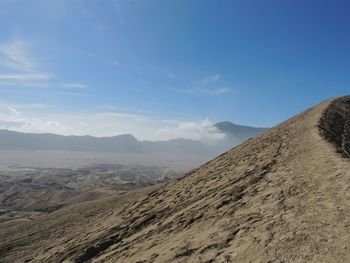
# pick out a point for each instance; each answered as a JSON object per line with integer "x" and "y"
{"x": 280, "y": 197}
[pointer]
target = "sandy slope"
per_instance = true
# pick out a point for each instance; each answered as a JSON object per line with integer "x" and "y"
{"x": 282, "y": 197}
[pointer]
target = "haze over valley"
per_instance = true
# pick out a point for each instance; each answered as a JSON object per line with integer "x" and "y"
{"x": 245, "y": 204}
{"x": 44, "y": 172}
{"x": 174, "y": 131}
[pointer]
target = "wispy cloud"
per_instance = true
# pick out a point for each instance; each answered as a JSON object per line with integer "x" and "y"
{"x": 203, "y": 91}
{"x": 212, "y": 85}
{"x": 222, "y": 90}
{"x": 21, "y": 69}
{"x": 104, "y": 123}
{"x": 27, "y": 106}
{"x": 200, "y": 130}
{"x": 76, "y": 94}
{"x": 74, "y": 86}
{"x": 106, "y": 107}
{"x": 11, "y": 118}
{"x": 25, "y": 76}
{"x": 14, "y": 55}
{"x": 210, "y": 79}
{"x": 119, "y": 12}
{"x": 210, "y": 91}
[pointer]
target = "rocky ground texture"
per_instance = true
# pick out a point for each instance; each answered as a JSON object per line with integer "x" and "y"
{"x": 281, "y": 197}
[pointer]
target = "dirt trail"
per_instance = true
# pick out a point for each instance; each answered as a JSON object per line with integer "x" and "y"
{"x": 281, "y": 197}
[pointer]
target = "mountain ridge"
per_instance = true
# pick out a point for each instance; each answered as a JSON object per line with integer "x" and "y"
{"x": 119, "y": 143}
{"x": 280, "y": 197}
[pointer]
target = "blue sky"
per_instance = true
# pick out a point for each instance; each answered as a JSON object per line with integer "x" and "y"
{"x": 162, "y": 69}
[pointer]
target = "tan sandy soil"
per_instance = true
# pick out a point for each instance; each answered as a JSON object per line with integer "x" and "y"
{"x": 28, "y": 192}
{"x": 281, "y": 197}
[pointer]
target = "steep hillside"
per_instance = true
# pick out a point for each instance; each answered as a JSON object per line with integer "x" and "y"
{"x": 281, "y": 197}
{"x": 335, "y": 125}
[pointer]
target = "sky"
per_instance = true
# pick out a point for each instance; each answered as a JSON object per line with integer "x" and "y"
{"x": 163, "y": 69}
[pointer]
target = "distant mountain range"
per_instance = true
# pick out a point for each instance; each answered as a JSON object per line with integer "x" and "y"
{"x": 281, "y": 197}
{"x": 127, "y": 143}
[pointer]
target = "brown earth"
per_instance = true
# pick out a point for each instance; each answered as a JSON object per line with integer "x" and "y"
{"x": 30, "y": 192}
{"x": 281, "y": 197}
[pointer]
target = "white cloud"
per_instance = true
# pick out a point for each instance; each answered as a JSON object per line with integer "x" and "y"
{"x": 210, "y": 79}
{"x": 103, "y": 124}
{"x": 212, "y": 85}
{"x": 44, "y": 126}
{"x": 117, "y": 115}
{"x": 76, "y": 94}
{"x": 74, "y": 86}
{"x": 14, "y": 55}
{"x": 202, "y": 130}
{"x": 206, "y": 91}
{"x": 221, "y": 90}
{"x": 23, "y": 70}
{"x": 25, "y": 106}
{"x": 25, "y": 77}
{"x": 11, "y": 118}
{"x": 211, "y": 91}
{"x": 13, "y": 111}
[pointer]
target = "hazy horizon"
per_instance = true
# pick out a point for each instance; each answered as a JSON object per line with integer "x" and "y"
{"x": 237, "y": 133}
{"x": 161, "y": 70}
